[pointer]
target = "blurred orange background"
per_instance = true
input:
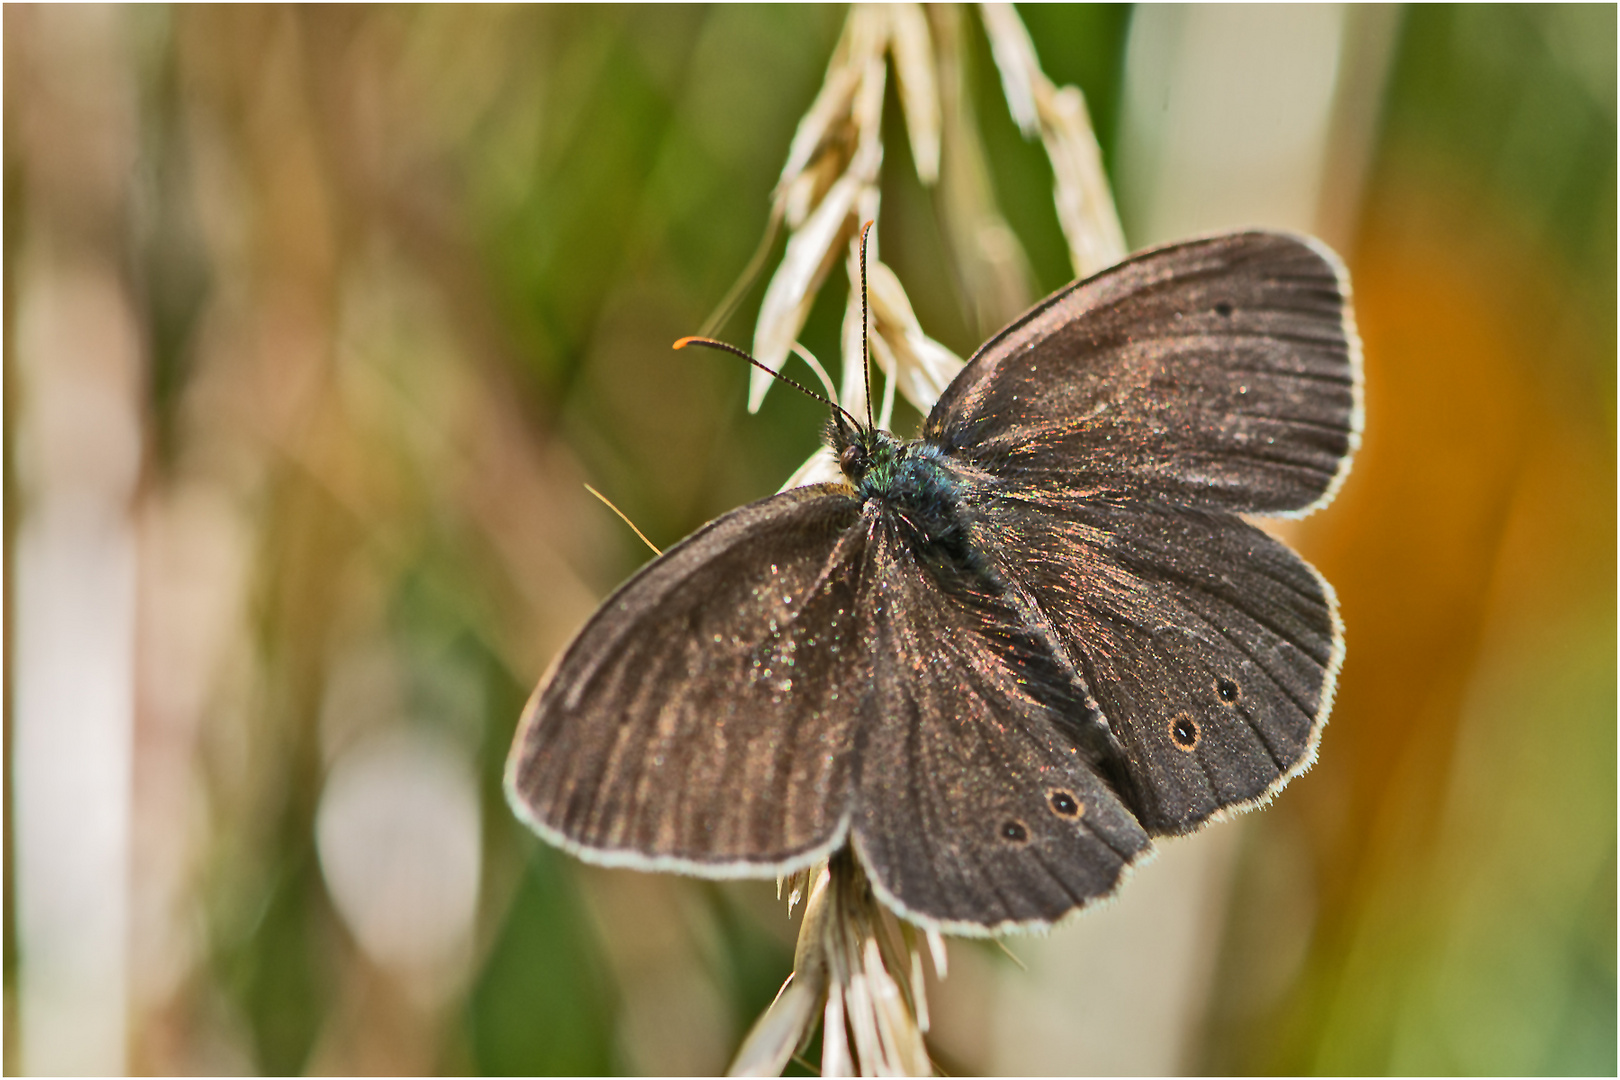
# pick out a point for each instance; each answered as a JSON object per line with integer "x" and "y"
{"x": 318, "y": 319}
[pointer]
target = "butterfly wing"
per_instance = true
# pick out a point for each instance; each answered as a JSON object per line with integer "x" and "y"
{"x": 980, "y": 802}
{"x": 1221, "y": 372}
{"x": 1211, "y": 649}
{"x": 1113, "y": 430}
{"x": 696, "y": 723}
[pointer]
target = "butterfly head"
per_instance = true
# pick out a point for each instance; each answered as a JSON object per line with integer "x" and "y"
{"x": 861, "y": 450}
{"x": 908, "y": 475}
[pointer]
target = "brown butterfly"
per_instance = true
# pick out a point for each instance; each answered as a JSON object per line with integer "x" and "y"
{"x": 997, "y": 659}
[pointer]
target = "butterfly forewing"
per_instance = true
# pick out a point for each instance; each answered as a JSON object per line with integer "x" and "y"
{"x": 1218, "y": 372}
{"x": 701, "y": 720}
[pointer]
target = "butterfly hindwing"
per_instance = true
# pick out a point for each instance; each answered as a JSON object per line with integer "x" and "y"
{"x": 1221, "y": 372}
{"x": 1211, "y": 649}
{"x": 980, "y": 805}
{"x": 695, "y": 723}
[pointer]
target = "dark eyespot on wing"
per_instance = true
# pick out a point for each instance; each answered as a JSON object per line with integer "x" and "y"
{"x": 1184, "y": 731}
{"x": 1064, "y": 804}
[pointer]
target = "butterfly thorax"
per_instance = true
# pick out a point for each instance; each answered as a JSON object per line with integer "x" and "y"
{"x": 910, "y": 479}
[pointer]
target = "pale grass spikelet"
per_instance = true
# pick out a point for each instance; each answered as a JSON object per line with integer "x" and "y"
{"x": 811, "y": 252}
{"x": 992, "y": 274}
{"x": 829, "y": 179}
{"x": 913, "y": 51}
{"x": 922, "y": 366}
{"x": 829, "y": 184}
{"x": 856, "y": 963}
{"x": 864, "y": 971}
{"x": 1085, "y": 205}
{"x": 825, "y": 140}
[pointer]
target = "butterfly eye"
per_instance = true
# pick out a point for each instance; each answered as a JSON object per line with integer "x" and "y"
{"x": 1223, "y": 309}
{"x": 1064, "y": 804}
{"x": 851, "y": 459}
{"x": 1228, "y": 690}
{"x": 1184, "y": 731}
{"x": 1014, "y": 831}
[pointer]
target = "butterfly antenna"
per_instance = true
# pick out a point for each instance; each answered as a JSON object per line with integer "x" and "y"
{"x": 866, "y": 355}
{"x": 622, "y": 517}
{"x": 711, "y": 343}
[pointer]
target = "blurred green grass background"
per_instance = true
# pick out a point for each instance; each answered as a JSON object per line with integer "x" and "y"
{"x": 398, "y": 281}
